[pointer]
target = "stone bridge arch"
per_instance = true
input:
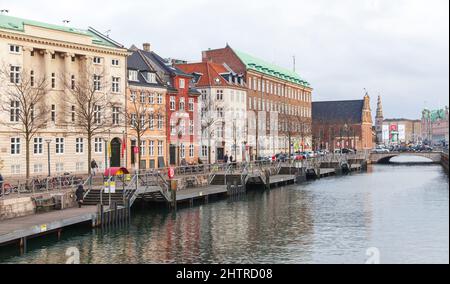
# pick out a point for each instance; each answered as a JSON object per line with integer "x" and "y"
{"x": 385, "y": 158}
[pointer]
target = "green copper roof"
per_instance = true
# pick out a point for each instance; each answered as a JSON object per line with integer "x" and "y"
{"x": 18, "y": 25}
{"x": 259, "y": 65}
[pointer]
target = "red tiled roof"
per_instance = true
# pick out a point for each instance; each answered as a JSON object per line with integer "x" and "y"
{"x": 210, "y": 72}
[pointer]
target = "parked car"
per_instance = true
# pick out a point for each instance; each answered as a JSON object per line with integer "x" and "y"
{"x": 380, "y": 150}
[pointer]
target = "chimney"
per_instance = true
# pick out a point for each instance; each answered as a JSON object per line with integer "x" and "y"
{"x": 147, "y": 47}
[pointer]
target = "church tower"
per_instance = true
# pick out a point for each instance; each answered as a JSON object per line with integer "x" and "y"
{"x": 379, "y": 119}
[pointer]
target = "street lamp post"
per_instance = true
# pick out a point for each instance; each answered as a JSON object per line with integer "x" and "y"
{"x": 109, "y": 172}
{"x": 48, "y": 141}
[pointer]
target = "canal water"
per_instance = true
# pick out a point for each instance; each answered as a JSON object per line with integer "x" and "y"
{"x": 397, "y": 213}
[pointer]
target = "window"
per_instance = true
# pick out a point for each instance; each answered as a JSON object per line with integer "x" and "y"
{"x": 160, "y": 122}
{"x": 133, "y": 75}
{"x": 97, "y": 83}
{"x": 14, "y": 111}
{"x": 220, "y": 132}
{"x": 32, "y": 78}
{"x": 79, "y": 145}
{"x": 151, "y": 98}
{"x": 15, "y": 146}
{"x": 191, "y": 127}
{"x": 53, "y": 80}
{"x": 98, "y": 145}
{"x": 182, "y": 104}
{"x": 38, "y": 168}
{"x": 59, "y": 145}
{"x": 160, "y": 149}
{"x": 220, "y": 112}
{"x": 142, "y": 121}
{"x": 151, "y": 124}
{"x": 133, "y": 96}
{"x": 191, "y": 104}
{"x": 133, "y": 120}
{"x": 143, "y": 143}
{"x": 160, "y": 99}
{"x": 182, "y": 151}
{"x": 53, "y": 113}
{"x": 80, "y": 167}
{"x": 172, "y": 103}
{"x": 151, "y": 78}
{"x": 15, "y": 169}
{"x": 203, "y": 95}
{"x": 14, "y": 74}
{"x": 115, "y": 84}
{"x": 38, "y": 146}
{"x": 142, "y": 98}
{"x": 73, "y": 58}
{"x": 97, "y": 114}
{"x": 14, "y": 48}
{"x": 205, "y": 151}
{"x": 72, "y": 82}
{"x": 182, "y": 83}
{"x": 191, "y": 151}
{"x": 219, "y": 95}
{"x": 183, "y": 127}
{"x": 116, "y": 115}
{"x": 151, "y": 149}
{"x": 173, "y": 129}
{"x": 97, "y": 60}
{"x": 115, "y": 62}
{"x": 59, "y": 167}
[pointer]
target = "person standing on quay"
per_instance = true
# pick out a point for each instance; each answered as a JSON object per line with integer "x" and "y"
{"x": 94, "y": 166}
{"x": 225, "y": 158}
{"x": 80, "y": 195}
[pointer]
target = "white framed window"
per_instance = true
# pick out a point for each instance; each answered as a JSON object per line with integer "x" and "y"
{"x": 183, "y": 127}
{"x": 219, "y": 95}
{"x": 173, "y": 127}
{"x": 182, "y": 151}
{"x": 160, "y": 99}
{"x": 182, "y": 83}
{"x": 151, "y": 149}
{"x": 191, "y": 151}
{"x": 115, "y": 62}
{"x": 133, "y": 95}
{"x": 191, "y": 127}
{"x": 14, "y": 111}
{"x": 97, "y": 82}
{"x": 59, "y": 167}
{"x": 160, "y": 148}
{"x": 143, "y": 145}
{"x": 133, "y": 75}
{"x": 15, "y": 169}
{"x": 38, "y": 168}
{"x": 97, "y": 60}
{"x": 115, "y": 84}
{"x": 160, "y": 122}
{"x": 79, "y": 145}
{"x": 182, "y": 104}
{"x": 151, "y": 78}
{"x": 38, "y": 148}
{"x": 59, "y": 145}
{"x": 133, "y": 121}
{"x": 191, "y": 105}
{"x": 98, "y": 145}
{"x": 53, "y": 80}
{"x": 151, "y": 98}
{"x": 172, "y": 103}
{"x": 14, "y": 75}
{"x": 205, "y": 150}
{"x": 80, "y": 167}
{"x": 116, "y": 115}
{"x": 14, "y": 48}
{"x": 97, "y": 114}
{"x": 53, "y": 113}
{"x": 15, "y": 146}
{"x": 151, "y": 122}
{"x": 142, "y": 98}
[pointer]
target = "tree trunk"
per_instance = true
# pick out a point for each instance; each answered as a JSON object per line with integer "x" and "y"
{"x": 139, "y": 152}
{"x": 209, "y": 149}
{"x": 27, "y": 156}
{"x": 89, "y": 140}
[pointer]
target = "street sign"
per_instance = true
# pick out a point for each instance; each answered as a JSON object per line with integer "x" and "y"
{"x": 171, "y": 173}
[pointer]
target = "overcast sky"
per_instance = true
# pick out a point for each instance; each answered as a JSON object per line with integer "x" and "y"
{"x": 396, "y": 48}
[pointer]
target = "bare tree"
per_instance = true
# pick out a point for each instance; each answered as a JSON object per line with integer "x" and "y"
{"x": 209, "y": 121}
{"x": 89, "y": 99}
{"x": 143, "y": 115}
{"x": 24, "y": 99}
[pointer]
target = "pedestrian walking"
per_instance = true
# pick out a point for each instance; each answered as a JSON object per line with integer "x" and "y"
{"x": 80, "y": 195}
{"x": 94, "y": 166}
{"x": 225, "y": 158}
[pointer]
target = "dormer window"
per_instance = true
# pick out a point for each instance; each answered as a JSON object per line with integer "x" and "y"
{"x": 133, "y": 75}
{"x": 151, "y": 77}
{"x": 182, "y": 84}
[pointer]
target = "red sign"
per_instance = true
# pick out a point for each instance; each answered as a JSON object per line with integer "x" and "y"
{"x": 136, "y": 150}
{"x": 171, "y": 173}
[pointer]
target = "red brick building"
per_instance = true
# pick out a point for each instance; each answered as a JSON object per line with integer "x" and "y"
{"x": 278, "y": 103}
{"x": 342, "y": 124}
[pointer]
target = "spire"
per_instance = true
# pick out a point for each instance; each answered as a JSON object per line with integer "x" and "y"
{"x": 379, "y": 108}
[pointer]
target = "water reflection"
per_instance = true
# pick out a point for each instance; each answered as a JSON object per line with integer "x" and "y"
{"x": 402, "y": 210}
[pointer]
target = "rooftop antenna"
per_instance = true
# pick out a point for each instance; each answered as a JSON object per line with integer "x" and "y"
{"x": 4, "y": 11}
{"x": 293, "y": 57}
